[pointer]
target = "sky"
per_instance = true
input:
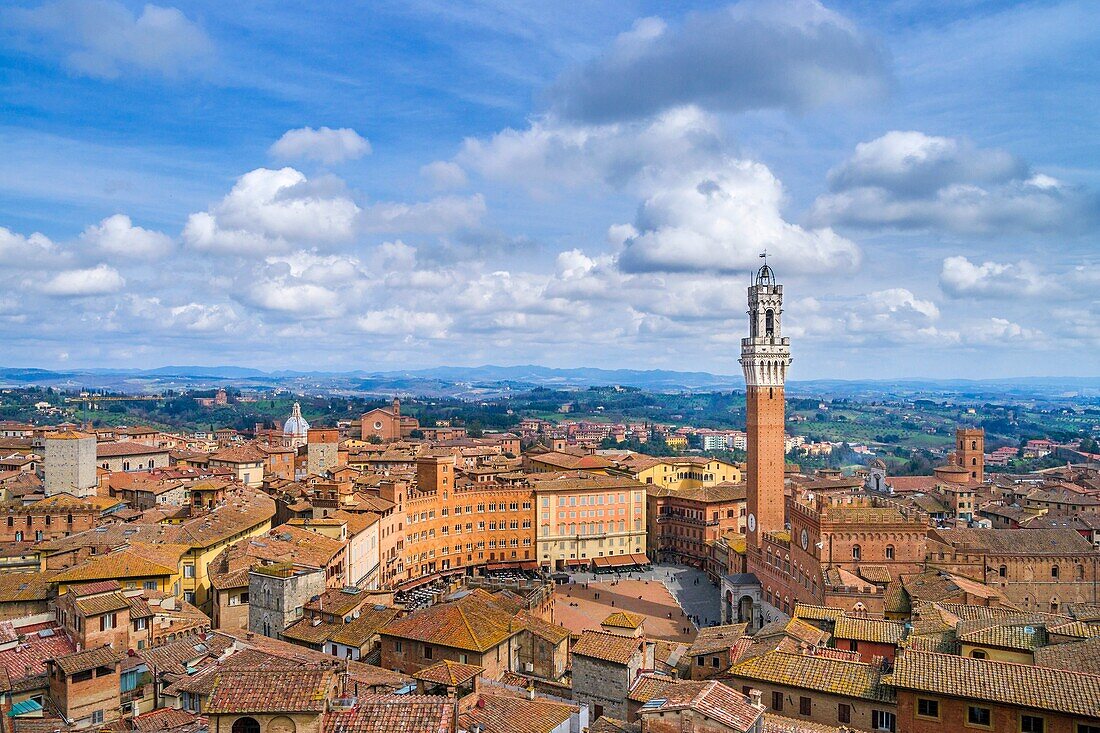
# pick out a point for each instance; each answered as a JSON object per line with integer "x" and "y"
{"x": 337, "y": 186}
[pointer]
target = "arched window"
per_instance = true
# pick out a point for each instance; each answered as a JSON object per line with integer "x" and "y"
{"x": 856, "y": 552}
{"x": 1054, "y": 571}
{"x": 769, "y": 322}
{"x": 889, "y": 552}
{"x": 1054, "y": 605}
{"x": 973, "y": 461}
{"x": 246, "y": 725}
{"x": 973, "y": 445}
{"x": 1003, "y": 571}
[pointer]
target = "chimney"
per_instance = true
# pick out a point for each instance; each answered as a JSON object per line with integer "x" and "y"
{"x": 756, "y": 696}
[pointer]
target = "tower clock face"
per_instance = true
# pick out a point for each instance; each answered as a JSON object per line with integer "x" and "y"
{"x": 752, "y": 522}
{"x": 805, "y": 540}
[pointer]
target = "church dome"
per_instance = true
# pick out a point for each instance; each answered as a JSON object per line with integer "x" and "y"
{"x": 297, "y": 424}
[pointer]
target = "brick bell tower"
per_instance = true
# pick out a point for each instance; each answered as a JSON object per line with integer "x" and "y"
{"x": 765, "y": 356}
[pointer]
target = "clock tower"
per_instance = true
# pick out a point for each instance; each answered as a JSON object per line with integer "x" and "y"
{"x": 765, "y": 356}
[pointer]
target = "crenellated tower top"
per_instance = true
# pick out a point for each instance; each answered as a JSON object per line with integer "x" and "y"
{"x": 765, "y": 354}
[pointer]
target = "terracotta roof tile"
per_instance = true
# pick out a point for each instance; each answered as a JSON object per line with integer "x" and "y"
{"x": 471, "y": 623}
{"x": 503, "y": 713}
{"x": 392, "y": 714}
{"x": 97, "y": 605}
{"x": 837, "y": 677}
{"x": 163, "y": 719}
{"x": 87, "y": 659}
{"x": 121, "y": 564}
{"x": 713, "y": 639}
{"x": 869, "y": 629}
{"x": 607, "y": 647}
{"x": 1078, "y": 656}
{"x": 1021, "y": 685}
{"x": 449, "y": 673}
{"x": 711, "y": 699}
{"x": 623, "y": 620}
{"x": 648, "y": 686}
{"x": 255, "y": 691}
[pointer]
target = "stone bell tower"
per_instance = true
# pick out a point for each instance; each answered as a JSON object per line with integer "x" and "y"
{"x": 765, "y": 356}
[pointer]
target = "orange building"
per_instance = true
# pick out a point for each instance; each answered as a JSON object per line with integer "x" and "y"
{"x": 970, "y": 452}
{"x": 450, "y": 529}
{"x": 683, "y": 524}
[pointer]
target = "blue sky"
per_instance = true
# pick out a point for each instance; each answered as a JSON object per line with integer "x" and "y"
{"x": 412, "y": 184}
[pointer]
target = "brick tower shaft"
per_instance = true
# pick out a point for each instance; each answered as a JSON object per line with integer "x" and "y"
{"x": 765, "y": 356}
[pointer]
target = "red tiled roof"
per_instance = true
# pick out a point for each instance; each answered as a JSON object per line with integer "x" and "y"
{"x": 711, "y": 699}
{"x": 505, "y": 713}
{"x": 392, "y": 714}
{"x": 164, "y": 719}
{"x": 126, "y": 448}
{"x": 254, "y": 691}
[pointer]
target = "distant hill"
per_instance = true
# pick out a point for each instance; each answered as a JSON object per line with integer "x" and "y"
{"x": 576, "y": 377}
{"x": 495, "y": 379}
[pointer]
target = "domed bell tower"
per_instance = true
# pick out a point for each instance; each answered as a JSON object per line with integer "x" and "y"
{"x": 765, "y": 356}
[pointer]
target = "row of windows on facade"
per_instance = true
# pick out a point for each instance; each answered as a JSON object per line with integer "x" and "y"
{"x": 47, "y": 521}
{"x": 584, "y": 555}
{"x": 1055, "y": 572}
{"x": 446, "y": 530}
{"x": 126, "y": 465}
{"x": 807, "y": 580}
{"x": 470, "y": 547}
{"x": 593, "y": 528}
{"x": 979, "y": 715}
{"x": 591, "y": 499}
{"x": 881, "y": 720}
{"x": 481, "y": 509}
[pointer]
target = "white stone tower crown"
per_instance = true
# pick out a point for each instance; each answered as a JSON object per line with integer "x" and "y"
{"x": 765, "y": 354}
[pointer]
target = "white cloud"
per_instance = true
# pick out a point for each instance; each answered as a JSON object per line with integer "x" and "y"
{"x": 909, "y": 180}
{"x": 325, "y": 145}
{"x": 316, "y": 268}
{"x": 305, "y": 300}
{"x": 961, "y": 278}
{"x": 103, "y": 38}
{"x": 397, "y": 255}
{"x": 719, "y": 220}
{"x": 909, "y": 161}
{"x": 20, "y": 252}
{"x": 116, "y": 235}
{"x": 270, "y": 210}
{"x": 552, "y": 152}
{"x": 401, "y": 322}
{"x": 900, "y": 300}
{"x": 995, "y": 331}
{"x": 444, "y": 174}
{"x": 98, "y": 280}
{"x": 435, "y": 216}
{"x": 203, "y": 317}
{"x": 757, "y": 54}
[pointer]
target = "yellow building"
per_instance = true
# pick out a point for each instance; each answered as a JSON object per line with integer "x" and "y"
{"x": 676, "y": 442}
{"x": 137, "y": 566}
{"x": 169, "y": 557}
{"x": 678, "y": 472}
{"x": 582, "y": 516}
{"x": 554, "y": 461}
